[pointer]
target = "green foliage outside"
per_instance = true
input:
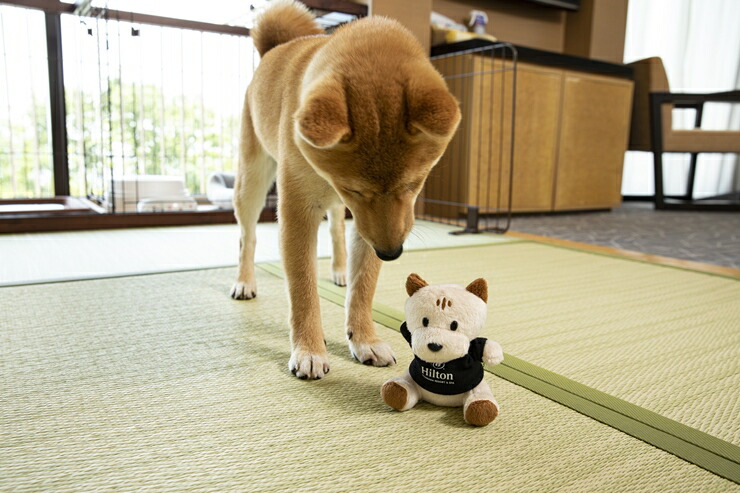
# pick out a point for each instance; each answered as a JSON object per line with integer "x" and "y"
{"x": 25, "y": 155}
{"x": 141, "y": 131}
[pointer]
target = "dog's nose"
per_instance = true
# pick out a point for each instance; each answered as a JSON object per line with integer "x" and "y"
{"x": 387, "y": 256}
{"x": 434, "y": 347}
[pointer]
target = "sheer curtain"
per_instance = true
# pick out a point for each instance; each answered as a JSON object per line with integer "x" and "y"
{"x": 699, "y": 42}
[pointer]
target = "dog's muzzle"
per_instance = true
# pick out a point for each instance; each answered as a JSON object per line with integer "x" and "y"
{"x": 388, "y": 256}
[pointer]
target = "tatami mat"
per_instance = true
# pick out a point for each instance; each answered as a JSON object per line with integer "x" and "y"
{"x": 163, "y": 383}
{"x": 662, "y": 338}
{"x": 44, "y": 257}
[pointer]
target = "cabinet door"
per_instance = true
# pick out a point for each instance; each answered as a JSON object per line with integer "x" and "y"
{"x": 538, "y": 92}
{"x": 593, "y": 139}
{"x": 535, "y": 138}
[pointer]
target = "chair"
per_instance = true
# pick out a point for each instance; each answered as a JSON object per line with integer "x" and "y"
{"x": 652, "y": 131}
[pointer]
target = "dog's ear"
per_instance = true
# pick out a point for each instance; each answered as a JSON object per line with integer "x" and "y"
{"x": 479, "y": 287}
{"x": 414, "y": 283}
{"x": 322, "y": 119}
{"x": 432, "y": 110}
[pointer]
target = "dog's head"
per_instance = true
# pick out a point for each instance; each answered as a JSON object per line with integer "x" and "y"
{"x": 443, "y": 319}
{"x": 374, "y": 135}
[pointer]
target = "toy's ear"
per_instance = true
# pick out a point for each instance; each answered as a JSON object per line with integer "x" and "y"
{"x": 414, "y": 283}
{"x": 479, "y": 287}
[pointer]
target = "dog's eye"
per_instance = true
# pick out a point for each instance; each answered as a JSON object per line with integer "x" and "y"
{"x": 453, "y": 325}
{"x": 425, "y": 321}
{"x": 353, "y": 192}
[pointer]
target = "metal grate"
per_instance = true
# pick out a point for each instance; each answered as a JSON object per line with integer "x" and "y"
{"x": 150, "y": 100}
{"x": 471, "y": 186}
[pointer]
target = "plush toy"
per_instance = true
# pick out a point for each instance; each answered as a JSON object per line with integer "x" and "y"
{"x": 442, "y": 326}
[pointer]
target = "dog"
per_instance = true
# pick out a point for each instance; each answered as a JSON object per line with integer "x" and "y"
{"x": 354, "y": 119}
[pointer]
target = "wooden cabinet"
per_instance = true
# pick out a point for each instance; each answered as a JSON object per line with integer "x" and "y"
{"x": 594, "y": 129}
{"x": 571, "y": 131}
{"x": 536, "y": 138}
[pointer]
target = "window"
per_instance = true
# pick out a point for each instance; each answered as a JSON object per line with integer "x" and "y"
{"x": 26, "y": 168}
{"x": 146, "y": 88}
{"x": 141, "y": 98}
{"x": 151, "y": 100}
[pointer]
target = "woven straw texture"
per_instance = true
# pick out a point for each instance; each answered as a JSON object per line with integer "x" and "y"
{"x": 156, "y": 250}
{"x": 662, "y": 338}
{"x": 163, "y": 383}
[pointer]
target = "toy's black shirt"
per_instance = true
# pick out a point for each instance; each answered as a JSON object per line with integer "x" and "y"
{"x": 450, "y": 378}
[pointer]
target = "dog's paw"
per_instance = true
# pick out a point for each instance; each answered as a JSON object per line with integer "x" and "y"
{"x": 244, "y": 290}
{"x": 376, "y": 353}
{"x": 339, "y": 278}
{"x": 308, "y": 366}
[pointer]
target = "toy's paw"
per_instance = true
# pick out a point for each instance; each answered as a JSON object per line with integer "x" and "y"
{"x": 308, "y": 366}
{"x": 375, "y": 353}
{"x": 493, "y": 354}
{"x": 339, "y": 277}
{"x": 244, "y": 290}
{"x": 395, "y": 395}
{"x": 480, "y": 413}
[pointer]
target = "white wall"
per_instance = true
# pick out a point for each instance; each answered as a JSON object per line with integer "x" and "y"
{"x": 699, "y": 42}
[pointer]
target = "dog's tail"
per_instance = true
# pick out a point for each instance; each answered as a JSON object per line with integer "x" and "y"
{"x": 282, "y": 21}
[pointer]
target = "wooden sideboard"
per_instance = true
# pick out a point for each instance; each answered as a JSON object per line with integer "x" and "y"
{"x": 572, "y": 118}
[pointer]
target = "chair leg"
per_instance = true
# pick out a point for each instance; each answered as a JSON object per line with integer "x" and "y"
{"x": 656, "y": 140}
{"x": 658, "y": 173}
{"x": 692, "y": 176}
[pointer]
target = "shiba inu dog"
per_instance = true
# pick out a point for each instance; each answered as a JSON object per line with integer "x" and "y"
{"x": 354, "y": 119}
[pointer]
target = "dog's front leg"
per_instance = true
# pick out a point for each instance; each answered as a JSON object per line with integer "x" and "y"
{"x": 299, "y": 225}
{"x": 339, "y": 250}
{"x": 364, "y": 267}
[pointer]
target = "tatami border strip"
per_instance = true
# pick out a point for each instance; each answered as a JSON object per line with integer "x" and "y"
{"x": 687, "y": 265}
{"x": 706, "y": 451}
{"x": 104, "y": 277}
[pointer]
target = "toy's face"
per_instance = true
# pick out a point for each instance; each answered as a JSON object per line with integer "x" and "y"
{"x": 442, "y": 320}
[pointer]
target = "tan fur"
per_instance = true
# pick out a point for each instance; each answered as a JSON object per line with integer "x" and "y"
{"x": 295, "y": 20}
{"x": 357, "y": 118}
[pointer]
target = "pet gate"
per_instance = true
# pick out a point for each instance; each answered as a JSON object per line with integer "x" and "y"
{"x": 153, "y": 114}
{"x": 471, "y": 186}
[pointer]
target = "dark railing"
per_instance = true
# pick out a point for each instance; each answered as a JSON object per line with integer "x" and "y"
{"x": 86, "y": 167}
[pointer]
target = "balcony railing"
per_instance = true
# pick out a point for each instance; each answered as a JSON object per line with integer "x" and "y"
{"x": 91, "y": 96}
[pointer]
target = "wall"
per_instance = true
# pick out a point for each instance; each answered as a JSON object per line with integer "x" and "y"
{"x": 515, "y": 21}
{"x": 412, "y": 14}
{"x": 597, "y": 30}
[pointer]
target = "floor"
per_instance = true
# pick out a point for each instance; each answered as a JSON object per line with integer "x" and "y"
{"x": 707, "y": 237}
{"x": 163, "y": 383}
{"x": 139, "y": 402}
{"x": 59, "y": 256}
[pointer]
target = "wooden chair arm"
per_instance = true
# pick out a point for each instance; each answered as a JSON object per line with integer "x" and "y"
{"x": 682, "y": 98}
{"x": 693, "y": 101}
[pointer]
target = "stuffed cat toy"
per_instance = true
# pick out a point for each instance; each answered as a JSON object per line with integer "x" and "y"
{"x": 442, "y": 326}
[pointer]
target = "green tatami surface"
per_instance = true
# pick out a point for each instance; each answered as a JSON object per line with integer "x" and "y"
{"x": 164, "y": 383}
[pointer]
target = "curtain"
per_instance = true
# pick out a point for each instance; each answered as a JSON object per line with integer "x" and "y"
{"x": 699, "y": 42}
